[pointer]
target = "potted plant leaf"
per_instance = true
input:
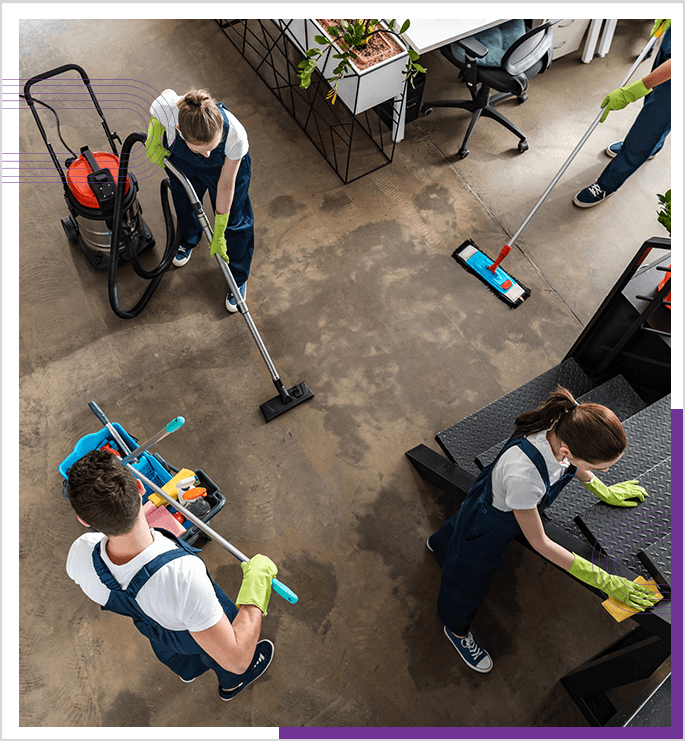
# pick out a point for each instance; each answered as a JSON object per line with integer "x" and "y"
{"x": 664, "y": 218}
{"x": 364, "y": 60}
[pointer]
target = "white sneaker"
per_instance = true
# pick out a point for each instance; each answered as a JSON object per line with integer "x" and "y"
{"x": 231, "y": 304}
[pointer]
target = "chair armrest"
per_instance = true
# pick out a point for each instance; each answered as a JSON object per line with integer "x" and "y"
{"x": 472, "y": 47}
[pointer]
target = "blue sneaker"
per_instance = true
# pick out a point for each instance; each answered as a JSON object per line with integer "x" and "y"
{"x": 182, "y": 256}
{"x": 590, "y": 196}
{"x": 231, "y": 303}
{"x": 260, "y": 663}
{"x": 474, "y": 656}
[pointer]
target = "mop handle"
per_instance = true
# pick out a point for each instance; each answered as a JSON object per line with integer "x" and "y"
{"x": 278, "y": 587}
{"x": 586, "y": 136}
{"x": 171, "y": 427}
{"x": 112, "y": 431}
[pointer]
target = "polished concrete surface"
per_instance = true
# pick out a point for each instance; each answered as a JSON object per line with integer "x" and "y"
{"x": 355, "y": 292}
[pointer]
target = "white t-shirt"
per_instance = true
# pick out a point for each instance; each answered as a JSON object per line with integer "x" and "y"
{"x": 180, "y": 596}
{"x": 165, "y": 110}
{"x": 516, "y": 482}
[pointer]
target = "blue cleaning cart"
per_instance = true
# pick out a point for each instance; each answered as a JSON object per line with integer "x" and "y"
{"x": 154, "y": 467}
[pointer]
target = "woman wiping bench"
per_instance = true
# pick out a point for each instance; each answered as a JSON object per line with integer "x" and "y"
{"x": 550, "y": 445}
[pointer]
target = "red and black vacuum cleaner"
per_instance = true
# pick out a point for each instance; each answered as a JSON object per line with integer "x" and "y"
{"x": 108, "y": 226}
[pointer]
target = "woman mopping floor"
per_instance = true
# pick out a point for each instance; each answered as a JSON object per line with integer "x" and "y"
{"x": 550, "y": 445}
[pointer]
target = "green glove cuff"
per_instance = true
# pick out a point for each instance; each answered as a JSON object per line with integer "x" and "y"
{"x": 600, "y": 490}
{"x": 220, "y": 223}
{"x": 636, "y": 90}
{"x": 154, "y": 149}
{"x": 258, "y": 573}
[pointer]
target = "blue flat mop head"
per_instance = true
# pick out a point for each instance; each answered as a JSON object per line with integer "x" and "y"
{"x": 503, "y": 285}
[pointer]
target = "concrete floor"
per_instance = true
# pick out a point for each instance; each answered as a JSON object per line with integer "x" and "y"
{"x": 354, "y": 291}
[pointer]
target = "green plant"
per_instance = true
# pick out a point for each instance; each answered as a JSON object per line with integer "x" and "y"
{"x": 350, "y": 37}
{"x": 665, "y": 212}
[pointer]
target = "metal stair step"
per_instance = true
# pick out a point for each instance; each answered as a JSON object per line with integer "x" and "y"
{"x": 464, "y": 440}
{"x": 616, "y": 393}
{"x": 657, "y": 560}
{"x": 622, "y": 532}
{"x": 649, "y": 442}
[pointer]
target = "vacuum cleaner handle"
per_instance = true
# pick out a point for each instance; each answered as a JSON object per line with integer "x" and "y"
{"x": 86, "y": 81}
{"x": 277, "y": 586}
{"x": 240, "y": 302}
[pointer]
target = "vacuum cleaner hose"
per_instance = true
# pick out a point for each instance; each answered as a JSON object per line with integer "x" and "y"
{"x": 172, "y": 237}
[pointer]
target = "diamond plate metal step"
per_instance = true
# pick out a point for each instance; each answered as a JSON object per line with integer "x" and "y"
{"x": 623, "y": 532}
{"x": 657, "y": 560}
{"x": 649, "y": 442}
{"x": 463, "y": 441}
{"x": 616, "y": 393}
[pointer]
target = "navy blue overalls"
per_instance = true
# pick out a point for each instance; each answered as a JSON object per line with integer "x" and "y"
{"x": 471, "y": 545}
{"x": 203, "y": 173}
{"x": 175, "y": 648}
{"x": 648, "y": 134}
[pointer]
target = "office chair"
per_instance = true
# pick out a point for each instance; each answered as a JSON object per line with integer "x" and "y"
{"x": 528, "y": 56}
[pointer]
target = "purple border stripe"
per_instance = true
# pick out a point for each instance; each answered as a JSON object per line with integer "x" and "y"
{"x": 676, "y": 572}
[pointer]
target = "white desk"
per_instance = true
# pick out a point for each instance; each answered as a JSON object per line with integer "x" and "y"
{"x": 426, "y": 35}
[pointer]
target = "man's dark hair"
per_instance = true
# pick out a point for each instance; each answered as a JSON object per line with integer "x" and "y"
{"x": 104, "y": 493}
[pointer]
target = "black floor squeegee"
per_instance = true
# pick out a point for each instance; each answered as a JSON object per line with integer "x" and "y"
{"x": 287, "y": 398}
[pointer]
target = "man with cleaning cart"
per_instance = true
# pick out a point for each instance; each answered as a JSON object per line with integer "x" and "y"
{"x": 162, "y": 584}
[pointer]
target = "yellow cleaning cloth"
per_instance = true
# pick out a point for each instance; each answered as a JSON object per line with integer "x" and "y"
{"x": 620, "y": 611}
{"x": 170, "y": 488}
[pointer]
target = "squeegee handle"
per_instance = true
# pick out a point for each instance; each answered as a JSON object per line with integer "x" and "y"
{"x": 585, "y": 137}
{"x": 277, "y": 586}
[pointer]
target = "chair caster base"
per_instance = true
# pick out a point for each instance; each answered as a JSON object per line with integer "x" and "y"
{"x": 463, "y": 153}
{"x": 426, "y": 111}
{"x": 523, "y": 146}
{"x": 522, "y": 98}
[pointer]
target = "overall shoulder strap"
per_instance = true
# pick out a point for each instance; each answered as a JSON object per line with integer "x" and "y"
{"x": 536, "y": 457}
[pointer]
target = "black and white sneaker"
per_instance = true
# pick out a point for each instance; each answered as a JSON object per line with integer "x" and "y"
{"x": 260, "y": 663}
{"x": 474, "y": 655}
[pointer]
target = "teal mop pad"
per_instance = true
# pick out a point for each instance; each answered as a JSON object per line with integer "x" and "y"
{"x": 501, "y": 283}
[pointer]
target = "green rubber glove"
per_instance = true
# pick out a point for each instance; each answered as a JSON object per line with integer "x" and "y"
{"x": 256, "y": 587}
{"x": 622, "y": 589}
{"x": 657, "y": 25}
{"x": 625, "y": 494}
{"x": 218, "y": 245}
{"x": 154, "y": 149}
{"x": 620, "y": 97}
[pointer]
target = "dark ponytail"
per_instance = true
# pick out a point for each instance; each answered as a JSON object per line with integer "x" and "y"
{"x": 591, "y": 432}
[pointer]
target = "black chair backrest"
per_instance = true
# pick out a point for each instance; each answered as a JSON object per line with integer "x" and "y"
{"x": 530, "y": 49}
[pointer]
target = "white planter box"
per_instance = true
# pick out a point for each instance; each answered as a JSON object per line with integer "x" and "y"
{"x": 363, "y": 89}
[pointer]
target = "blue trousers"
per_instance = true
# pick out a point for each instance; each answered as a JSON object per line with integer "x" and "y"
{"x": 240, "y": 229}
{"x": 647, "y": 135}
